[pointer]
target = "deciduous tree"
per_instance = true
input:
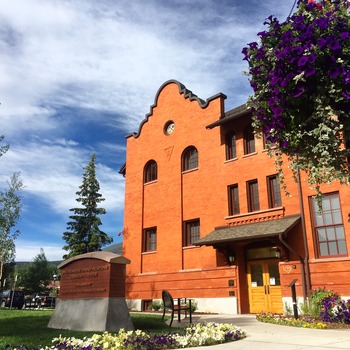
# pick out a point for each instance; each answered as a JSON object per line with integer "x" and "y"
{"x": 3, "y": 149}
{"x": 10, "y": 209}
{"x": 37, "y": 275}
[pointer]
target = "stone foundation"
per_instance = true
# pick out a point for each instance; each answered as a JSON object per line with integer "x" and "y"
{"x": 95, "y": 314}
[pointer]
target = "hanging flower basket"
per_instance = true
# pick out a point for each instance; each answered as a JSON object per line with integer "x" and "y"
{"x": 300, "y": 73}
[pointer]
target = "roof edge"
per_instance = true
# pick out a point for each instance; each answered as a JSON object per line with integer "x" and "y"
{"x": 188, "y": 94}
{"x": 230, "y": 115}
{"x": 99, "y": 255}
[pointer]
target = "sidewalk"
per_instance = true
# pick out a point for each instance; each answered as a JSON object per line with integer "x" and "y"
{"x": 265, "y": 336}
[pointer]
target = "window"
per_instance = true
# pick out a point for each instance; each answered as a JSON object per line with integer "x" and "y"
{"x": 253, "y": 196}
{"x": 249, "y": 140}
{"x": 191, "y": 232}
{"x": 150, "y": 171}
{"x": 328, "y": 226}
{"x": 231, "y": 146}
{"x": 274, "y": 192}
{"x": 149, "y": 239}
{"x": 190, "y": 159}
{"x": 233, "y": 200}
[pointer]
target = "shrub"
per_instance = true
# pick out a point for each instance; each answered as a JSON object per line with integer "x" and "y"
{"x": 194, "y": 305}
{"x": 315, "y": 301}
{"x": 314, "y": 304}
{"x": 156, "y": 305}
{"x": 287, "y": 309}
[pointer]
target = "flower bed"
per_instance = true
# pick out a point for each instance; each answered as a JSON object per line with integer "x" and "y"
{"x": 195, "y": 335}
{"x": 336, "y": 310}
{"x": 303, "y": 322}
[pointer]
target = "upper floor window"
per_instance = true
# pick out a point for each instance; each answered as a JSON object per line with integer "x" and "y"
{"x": 231, "y": 146}
{"x": 328, "y": 226}
{"x": 190, "y": 159}
{"x": 150, "y": 173}
{"x": 233, "y": 200}
{"x": 274, "y": 192}
{"x": 249, "y": 140}
{"x": 253, "y": 195}
{"x": 149, "y": 243}
{"x": 191, "y": 232}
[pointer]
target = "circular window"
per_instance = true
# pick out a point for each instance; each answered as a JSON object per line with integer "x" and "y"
{"x": 169, "y": 127}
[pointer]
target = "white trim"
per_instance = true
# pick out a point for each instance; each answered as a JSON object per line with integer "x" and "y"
{"x": 228, "y": 306}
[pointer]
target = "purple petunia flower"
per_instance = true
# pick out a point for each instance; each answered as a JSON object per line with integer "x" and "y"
{"x": 309, "y": 71}
{"x": 334, "y": 45}
{"x": 253, "y": 45}
{"x": 312, "y": 58}
{"x": 299, "y": 50}
{"x": 347, "y": 78}
{"x": 277, "y": 111}
{"x": 346, "y": 94}
{"x": 260, "y": 54}
{"x": 322, "y": 22}
{"x": 321, "y": 43}
{"x": 302, "y": 61}
{"x": 264, "y": 34}
{"x": 246, "y": 54}
{"x": 344, "y": 35}
{"x": 334, "y": 72}
{"x": 298, "y": 91}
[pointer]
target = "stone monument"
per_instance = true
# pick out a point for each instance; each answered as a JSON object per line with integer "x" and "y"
{"x": 92, "y": 294}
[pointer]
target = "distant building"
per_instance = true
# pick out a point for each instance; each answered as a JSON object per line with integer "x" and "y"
{"x": 206, "y": 218}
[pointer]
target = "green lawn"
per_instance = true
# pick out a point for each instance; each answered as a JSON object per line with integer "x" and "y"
{"x": 29, "y": 327}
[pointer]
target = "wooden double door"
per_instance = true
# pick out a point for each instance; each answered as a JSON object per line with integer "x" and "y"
{"x": 264, "y": 286}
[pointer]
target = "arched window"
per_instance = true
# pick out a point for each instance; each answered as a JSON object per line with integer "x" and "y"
{"x": 150, "y": 173}
{"x": 190, "y": 159}
{"x": 249, "y": 140}
{"x": 231, "y": 146}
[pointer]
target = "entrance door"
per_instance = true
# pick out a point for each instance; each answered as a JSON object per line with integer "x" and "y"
{"x": 264, "y": 286}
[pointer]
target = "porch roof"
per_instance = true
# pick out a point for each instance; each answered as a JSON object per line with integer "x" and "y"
{"x": 249, "y": 231}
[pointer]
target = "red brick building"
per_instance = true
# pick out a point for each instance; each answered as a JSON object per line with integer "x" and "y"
{"x": 205, "y": 216}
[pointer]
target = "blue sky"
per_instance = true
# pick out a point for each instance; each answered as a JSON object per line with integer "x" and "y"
{"x": 77, "y": 76}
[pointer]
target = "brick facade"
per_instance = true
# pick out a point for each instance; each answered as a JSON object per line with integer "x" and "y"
{"x": 176, "y": 197}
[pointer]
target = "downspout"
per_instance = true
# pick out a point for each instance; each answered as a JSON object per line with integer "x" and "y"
{"x": 301, "y": 262}
{"x": 303, "y": 228}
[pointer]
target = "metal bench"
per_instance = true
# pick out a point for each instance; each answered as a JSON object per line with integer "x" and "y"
{"x": 168, "y": 304}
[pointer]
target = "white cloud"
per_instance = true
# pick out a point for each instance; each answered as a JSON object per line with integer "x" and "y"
{"x": 113, "y": 56}
{"x": 28, "y": 250}
{"x": 53, "y": 172}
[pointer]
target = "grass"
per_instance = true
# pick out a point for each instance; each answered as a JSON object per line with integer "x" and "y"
{"x": 29, "y": 327}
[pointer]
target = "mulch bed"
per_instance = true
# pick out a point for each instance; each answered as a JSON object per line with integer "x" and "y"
{"x": 337, "y": 325}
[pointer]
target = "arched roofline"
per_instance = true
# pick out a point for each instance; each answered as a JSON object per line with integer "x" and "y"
{"x": 188, "y": 94}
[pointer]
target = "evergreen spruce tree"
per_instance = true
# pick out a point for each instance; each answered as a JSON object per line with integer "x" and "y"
{"x": 83, "y": 234}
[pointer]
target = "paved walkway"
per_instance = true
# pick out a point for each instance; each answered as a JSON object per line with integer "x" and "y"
{"x": 265, "y": 336}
